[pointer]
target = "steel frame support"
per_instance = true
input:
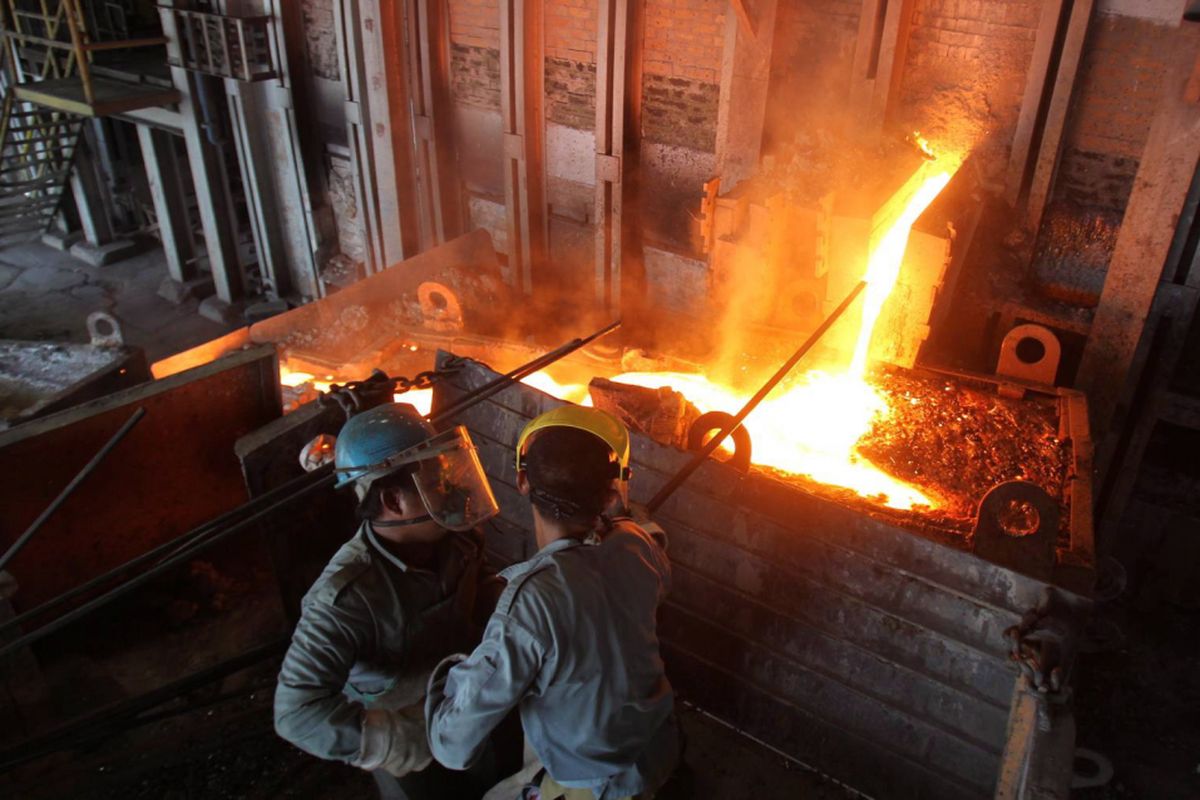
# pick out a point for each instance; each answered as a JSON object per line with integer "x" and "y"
{"x": 438, "y": 187}
{"x": 348, "y": 22}
{"x": 1052, "y": 111}
{"x": 522, "y": 68}
{"x": 745, "y": 73}
{"x": 879, "y": 55}
{"x": 170, "y": 204}
{"x": 89, "y": 192}
{"x": 385, "y": 93}
{"x": 611, "y": 44}
{"x": 1147, "y": 240}
{"x": 266, "y": 135}
{"x": 209, "y": 180}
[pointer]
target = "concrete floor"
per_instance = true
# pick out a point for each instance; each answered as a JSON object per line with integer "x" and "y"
{"x": 230, "y": 751}
{"x": 45, "y": 294}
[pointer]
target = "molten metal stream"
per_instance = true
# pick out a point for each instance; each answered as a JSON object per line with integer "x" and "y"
{"x": 811, "y": 424}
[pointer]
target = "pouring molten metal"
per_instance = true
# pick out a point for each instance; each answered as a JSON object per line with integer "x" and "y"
{"x": 811, "y": 424}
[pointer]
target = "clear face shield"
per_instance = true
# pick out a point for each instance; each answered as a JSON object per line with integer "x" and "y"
{"x": 451, "y": 481}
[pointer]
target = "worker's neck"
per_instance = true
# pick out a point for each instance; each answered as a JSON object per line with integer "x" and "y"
{"x": 551, "y": 530}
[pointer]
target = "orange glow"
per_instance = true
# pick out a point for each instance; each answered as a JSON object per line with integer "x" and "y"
{"x": 572, "y": 392}
{"x": 810, "y": 425}
{"x": 421, "y": 399}
{"x": 297, "y": 378}
{"x": 917, "y": 140}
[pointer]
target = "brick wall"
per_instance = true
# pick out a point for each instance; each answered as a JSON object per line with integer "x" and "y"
{"x": 684, "y": 42}
{"x": 811, "y": 59}
{"x": 570, "y": 41}
{"x": 571, "y": 30}
{"x": 475, "y": 52}
{"x": 965, "y": 74}
{"x": 475, "y": 23}
{"x": 1117, "y": 91}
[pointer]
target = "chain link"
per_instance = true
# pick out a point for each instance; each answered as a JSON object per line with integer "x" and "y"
{"x": 355, "y": 396}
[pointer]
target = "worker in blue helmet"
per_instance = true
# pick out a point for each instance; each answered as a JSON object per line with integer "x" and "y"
{"x": 407, "y": 589}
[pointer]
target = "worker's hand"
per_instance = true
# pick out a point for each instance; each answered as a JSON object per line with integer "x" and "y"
{"x": 394, "y": 741}
{"x": 318, "y": 452}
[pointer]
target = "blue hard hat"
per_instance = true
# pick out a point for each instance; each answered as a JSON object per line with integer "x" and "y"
{"x": 368, "y": 439}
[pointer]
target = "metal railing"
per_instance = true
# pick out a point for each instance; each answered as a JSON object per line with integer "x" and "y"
{"x": 225, "y": 46}
{"x": 55, "y": 34}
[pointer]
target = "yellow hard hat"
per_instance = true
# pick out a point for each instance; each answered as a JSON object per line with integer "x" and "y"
{"x": 596, "y": 422}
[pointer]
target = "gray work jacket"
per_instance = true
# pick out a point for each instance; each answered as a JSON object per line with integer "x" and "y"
{"x": 370, "y": 632}
{"x": 573, "y": 643}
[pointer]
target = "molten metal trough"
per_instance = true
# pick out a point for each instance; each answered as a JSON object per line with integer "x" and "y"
{"x": 865, "y": 641}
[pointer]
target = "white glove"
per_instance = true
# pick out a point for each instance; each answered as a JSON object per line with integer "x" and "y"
{"x": 394, "y": 741}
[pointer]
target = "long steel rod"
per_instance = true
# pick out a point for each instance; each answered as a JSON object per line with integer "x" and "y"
{"x": 196, "y": 541}
{"x": 70, "y": 488}
{"x": 165, "y": 548}
{"x": 710, "y": 447}
{"x": 323, "y": 476}
{"x": 525, "y": 370}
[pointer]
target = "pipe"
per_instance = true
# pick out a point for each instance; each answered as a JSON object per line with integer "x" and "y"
{"x": 670, "y": 486}
{"x": 70, "y": 488}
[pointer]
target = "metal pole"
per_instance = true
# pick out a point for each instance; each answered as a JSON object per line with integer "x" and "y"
{"x": 71, "y": 487}
{"x": 178, "y": 543}
{"x": 320, "y": 477}
{"x": 521, "y": 372}
{"x": 669, "y": 488}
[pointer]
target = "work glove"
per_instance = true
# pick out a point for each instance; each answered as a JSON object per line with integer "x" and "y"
{"x": 394, "y": 741}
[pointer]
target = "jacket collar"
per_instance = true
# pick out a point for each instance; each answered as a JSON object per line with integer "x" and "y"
{"x": 557, "y": 546}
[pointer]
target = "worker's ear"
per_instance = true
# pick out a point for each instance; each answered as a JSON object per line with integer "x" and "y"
{"x": 523, "y": 482}
{"x": 392, "y": 499}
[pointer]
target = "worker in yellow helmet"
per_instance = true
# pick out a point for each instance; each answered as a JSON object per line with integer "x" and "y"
{"x": 573, "y": 641}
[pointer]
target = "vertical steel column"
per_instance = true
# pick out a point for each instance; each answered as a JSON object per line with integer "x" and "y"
{"x": 879, "y": 54}
{"x": 611, "y": 42}
{"x": 349, "y": 26}
{"x": 170, "y": 205}
{"x": 386, "y": 94}
{"x": 208, "y": 176}
{"x": 1145, "y": 242}
{"x": 429, "y": 67}
{"x": 522, "y": 67}
{"x": 89, "y": 191}
{"x": 1057, "y": 107}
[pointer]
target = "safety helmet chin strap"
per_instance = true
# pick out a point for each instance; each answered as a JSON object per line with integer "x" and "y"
{"x": 401, "y": 523}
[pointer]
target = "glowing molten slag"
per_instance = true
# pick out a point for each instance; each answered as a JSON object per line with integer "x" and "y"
{"x": 811, "y": 423}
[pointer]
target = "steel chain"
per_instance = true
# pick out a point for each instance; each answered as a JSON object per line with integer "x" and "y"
{"x": 354, "y": 396}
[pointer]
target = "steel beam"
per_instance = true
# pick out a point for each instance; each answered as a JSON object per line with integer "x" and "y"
{"x": 88, "y": 191}
{"x": 1027, "y": 137}
{"x": 386, "y": 95}
{"x": 209, "y": 179}
{"x": 170, "y": 203}
{"x": 522, "y": 67}
{"x": 879, "y": 55}
{"x": 441, "y": 212}
{"x": 1144, "y": 244}
{"x": 611, "y": 43}
{"x": 1050, "y": 135}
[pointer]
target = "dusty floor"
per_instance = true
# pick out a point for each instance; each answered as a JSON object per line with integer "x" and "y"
{"x": 45, "y": 294}
{"x": 231, "y": 751}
